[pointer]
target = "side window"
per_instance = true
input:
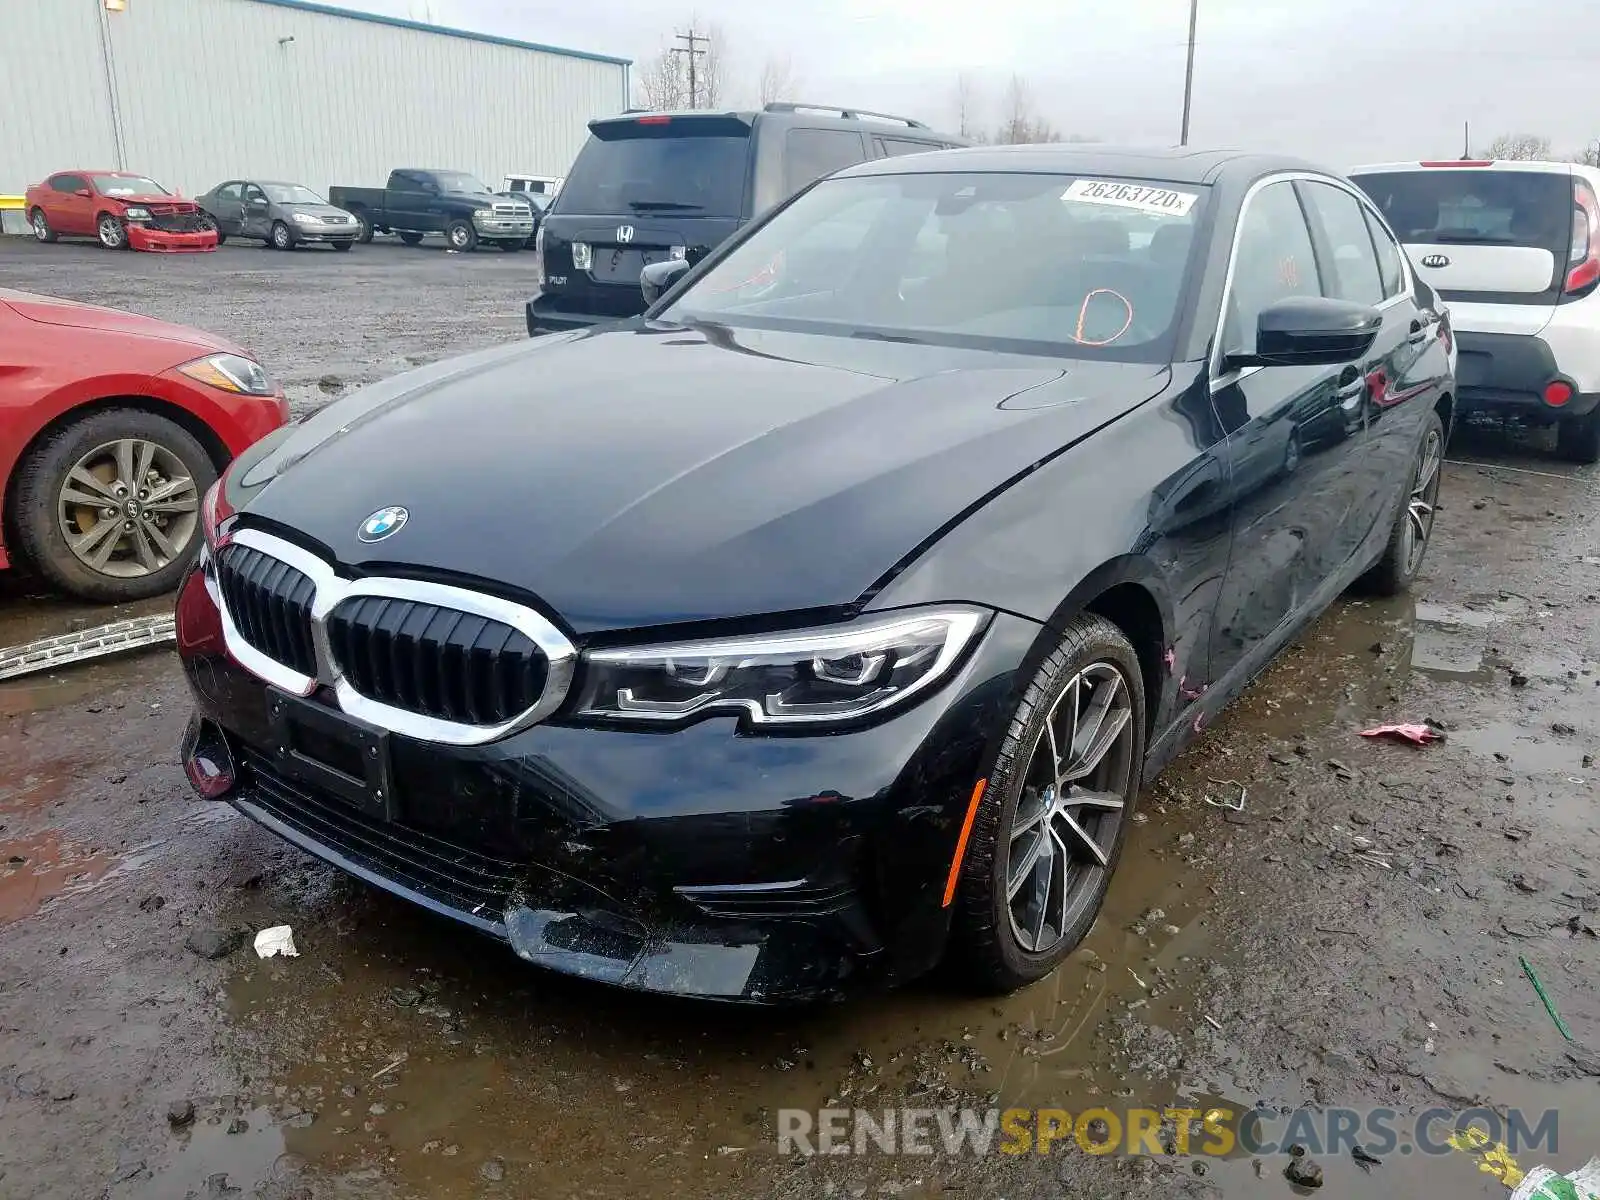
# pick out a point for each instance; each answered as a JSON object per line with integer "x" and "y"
{"x": 229, "y": 191}
{"x": 252, "y": 193}
{"x": 812, "y": 153}
{"x": 893, "y": 147}
{"x": 1394, "y": 276}
{"x": 403, "y": 181}
{"x": 1273, "y": 260}
{"x": 1355, "y": 275}
{"x": 67, "y": 183}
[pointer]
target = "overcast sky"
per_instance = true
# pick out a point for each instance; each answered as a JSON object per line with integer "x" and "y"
{"x": 1343, "y": 81}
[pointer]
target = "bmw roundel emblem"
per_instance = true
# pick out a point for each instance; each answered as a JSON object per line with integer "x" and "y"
{"x": 382, "y": 523}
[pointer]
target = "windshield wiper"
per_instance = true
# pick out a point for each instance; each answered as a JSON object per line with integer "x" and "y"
{"x": 876, "y": 336}
{"x": 663, "y": 206}
{"x": 1468, "y": 239}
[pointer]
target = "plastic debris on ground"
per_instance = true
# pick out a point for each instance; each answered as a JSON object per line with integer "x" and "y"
{"x": 1420, "y": 734}
{"x": 1542, "y": 1183}
{"x": 277, "y": 940}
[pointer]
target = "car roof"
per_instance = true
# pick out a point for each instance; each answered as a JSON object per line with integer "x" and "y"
{"x": 781, "y": 111}
{"x": 1171, "y": 164}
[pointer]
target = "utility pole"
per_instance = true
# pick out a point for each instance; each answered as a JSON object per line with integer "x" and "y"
{"x": 1466, "y": 140}
{"x": 1188, "y": 73}
{"x": 694, "y": 41}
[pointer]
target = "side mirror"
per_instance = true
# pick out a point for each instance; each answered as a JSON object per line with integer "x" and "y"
{"x": 85, "y": 193}
{"x": 658, "y": 278}
{"x": 1310, "y": 331}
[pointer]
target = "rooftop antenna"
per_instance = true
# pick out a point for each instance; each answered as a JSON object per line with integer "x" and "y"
{"x": 1466, "y": 140}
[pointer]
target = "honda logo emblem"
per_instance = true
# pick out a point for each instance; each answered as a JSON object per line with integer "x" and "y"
{"x": 624, "y": 234}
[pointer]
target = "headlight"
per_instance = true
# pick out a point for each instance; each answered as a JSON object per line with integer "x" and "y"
{"x": 136, "y": 213}
{"x": 830, "y": 674}
{"x": 230, "y": 373}
{"x": 482, "y": 214}
{"x": 582, "y": 256}
{"x": 307, "y": 219}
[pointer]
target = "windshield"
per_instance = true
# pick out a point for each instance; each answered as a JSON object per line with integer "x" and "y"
{"x": 1034, "y": 263}
{"x": 458, "y": 181}
{"x": 1475, "y": 206}
{"x": 689, "y": 173}
{"x": 291, "y": 193}
{"x": 127, "y": 185}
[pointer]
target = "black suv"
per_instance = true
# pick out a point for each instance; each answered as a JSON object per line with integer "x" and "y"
{"x": 653, "y": 186}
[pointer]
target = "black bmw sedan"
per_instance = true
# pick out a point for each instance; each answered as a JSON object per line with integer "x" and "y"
{"x": 825, "y": 621}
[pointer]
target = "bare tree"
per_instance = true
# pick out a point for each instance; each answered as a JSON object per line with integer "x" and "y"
{"x": 1514, "y": 146}
{"x": 1022, "y": 122}
{"x": 667, "y": 81}
{"x": 967, "y": 102}
{"x": 778, "y": 80}
{"x": 1589, "y": 156}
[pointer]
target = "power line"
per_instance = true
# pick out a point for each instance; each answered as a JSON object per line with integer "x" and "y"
{"x": 694, "y": 41}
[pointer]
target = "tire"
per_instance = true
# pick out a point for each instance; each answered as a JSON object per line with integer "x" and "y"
{"x": 112, "y": 232}
{"x": 411, "y": 239}
{"x": 985, "y": 936}
{"x": 1402, "y": 557}
{"x": 1578, "y": 438}
{"x": 41, "y": 226}
{"x": 281, "y": 236}
{"x": 342, "y": 244}
{"x": 360, "y": 214}
{"x": 460, "y": 235}
{"x": 207, "y": 221}
{"x": 43, "y": 513}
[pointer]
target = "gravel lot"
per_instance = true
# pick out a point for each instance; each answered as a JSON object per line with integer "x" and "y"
{"x": 1351, "y": 938}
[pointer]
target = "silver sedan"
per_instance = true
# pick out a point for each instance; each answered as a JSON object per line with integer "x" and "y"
{"x": 283, "y": 215}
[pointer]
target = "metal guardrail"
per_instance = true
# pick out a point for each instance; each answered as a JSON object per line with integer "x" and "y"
{"x": 14, "y": 203}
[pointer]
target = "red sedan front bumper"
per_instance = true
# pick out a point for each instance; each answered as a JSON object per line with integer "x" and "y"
{"x": 142, "y": 237}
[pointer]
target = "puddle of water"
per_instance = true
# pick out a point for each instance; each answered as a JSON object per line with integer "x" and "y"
{"x": 34, "y": 869}
{"x": 1527, "y": 750}
{"x": 245, "y": 1145}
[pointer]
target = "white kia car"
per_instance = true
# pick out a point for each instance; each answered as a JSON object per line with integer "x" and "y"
{"x": 1514, "y": 249}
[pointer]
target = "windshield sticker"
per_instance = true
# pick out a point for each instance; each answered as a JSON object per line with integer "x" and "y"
{"x": 1132, "y": 195}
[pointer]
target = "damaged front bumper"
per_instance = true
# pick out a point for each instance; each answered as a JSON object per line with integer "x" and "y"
{"x": 698, "y": 863}
{"x": 148, "y": 237}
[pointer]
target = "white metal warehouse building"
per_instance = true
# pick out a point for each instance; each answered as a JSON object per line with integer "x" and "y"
{"x": 194, "y": 92}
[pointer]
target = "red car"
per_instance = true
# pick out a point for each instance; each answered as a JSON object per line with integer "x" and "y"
{"x": 126, "y": 212}
{"x": 112, "y": 428}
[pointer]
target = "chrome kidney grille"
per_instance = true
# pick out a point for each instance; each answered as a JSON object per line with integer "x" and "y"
{"x": 270, "y": 603}
{"x": 437, "y": 661}
{"x": 426, "y": 660}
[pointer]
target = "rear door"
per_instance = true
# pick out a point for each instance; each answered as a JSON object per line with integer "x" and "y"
{"x": 1492, "y": 239}
{"x": 643, "y": 190}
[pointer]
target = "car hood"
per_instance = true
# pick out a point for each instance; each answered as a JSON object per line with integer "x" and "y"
{"x": 48, "y": 310}
{"x": 652, "y": 474}
{"x": 317, "y": 210}
{"x": 485, "y": 199}
{"x": 156, "y": 198}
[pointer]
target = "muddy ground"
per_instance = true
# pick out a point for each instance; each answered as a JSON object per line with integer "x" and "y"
{"x": 1351, "y": 938}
